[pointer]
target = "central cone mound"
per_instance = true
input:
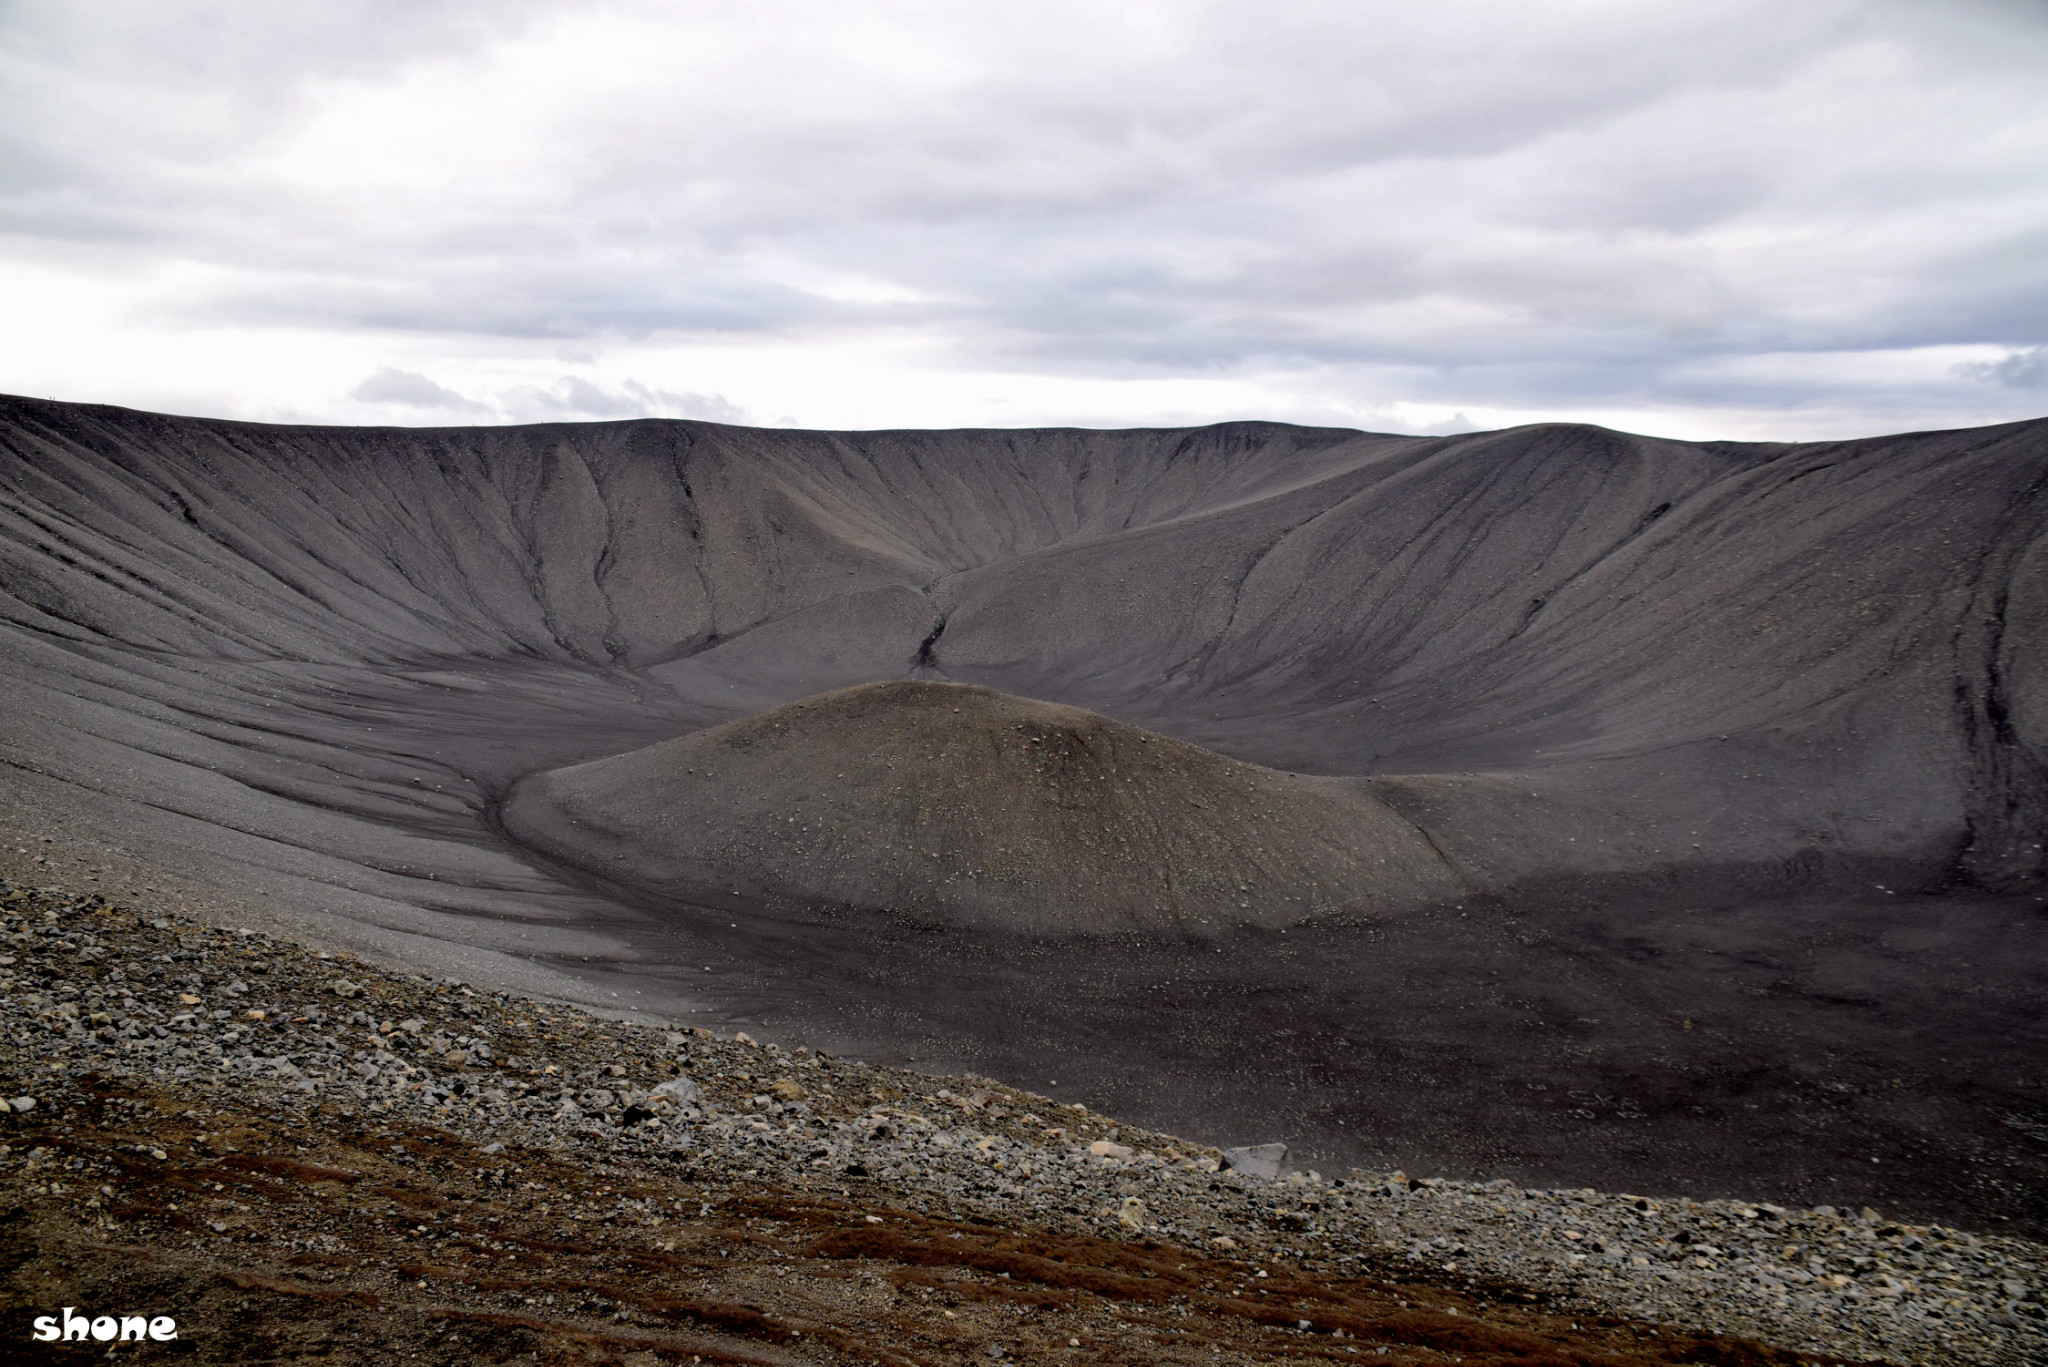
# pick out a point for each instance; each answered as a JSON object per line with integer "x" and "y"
{"x": 960, "y": 805}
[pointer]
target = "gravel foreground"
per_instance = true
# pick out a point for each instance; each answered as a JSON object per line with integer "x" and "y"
{"x": 304, "y": 1158}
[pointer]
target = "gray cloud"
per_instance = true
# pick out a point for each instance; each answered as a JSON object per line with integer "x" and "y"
{"x": 574, "y": 396}
{"x": 1475, "y": 204}
{"x": 410, "y": 389}
{"x": 2021, "y": 370}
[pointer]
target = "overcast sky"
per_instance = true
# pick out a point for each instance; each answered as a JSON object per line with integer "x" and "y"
{"x": 1702, "y": 218}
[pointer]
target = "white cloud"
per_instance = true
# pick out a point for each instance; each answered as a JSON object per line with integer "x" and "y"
{"x": 902, "y": 212}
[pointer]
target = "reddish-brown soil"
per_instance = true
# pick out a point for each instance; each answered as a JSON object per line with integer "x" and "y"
{"x": 354, "y": 1241}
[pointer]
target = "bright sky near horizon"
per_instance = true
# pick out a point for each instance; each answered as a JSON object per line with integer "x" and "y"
{"x": 1708, "y": 218}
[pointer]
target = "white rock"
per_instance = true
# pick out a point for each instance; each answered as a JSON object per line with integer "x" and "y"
{"x": 680, "y": 1090}
{"x": 1256, "y": 1160}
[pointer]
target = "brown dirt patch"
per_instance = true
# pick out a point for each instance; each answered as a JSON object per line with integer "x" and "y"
{"x": 357, "y": 1241}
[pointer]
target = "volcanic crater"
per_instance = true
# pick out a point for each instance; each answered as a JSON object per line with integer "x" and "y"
{"x": 1582, "y": 807}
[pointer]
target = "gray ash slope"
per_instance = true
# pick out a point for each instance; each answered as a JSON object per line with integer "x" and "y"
{"x": 1693, "y": 724}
